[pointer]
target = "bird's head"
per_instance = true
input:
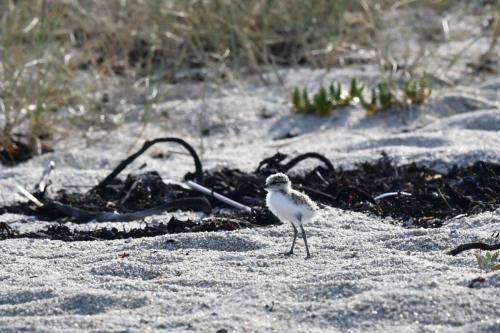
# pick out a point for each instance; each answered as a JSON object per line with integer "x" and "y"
{"x": 278, "y": 181}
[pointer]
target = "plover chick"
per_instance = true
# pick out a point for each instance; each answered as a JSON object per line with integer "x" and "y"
{"x": 290, "y": 206}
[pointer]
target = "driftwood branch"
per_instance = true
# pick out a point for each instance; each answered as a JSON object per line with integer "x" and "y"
{"x": 472, "y": 246}
{"x": 83, "y": 216}
{"x": 123, "y": 164}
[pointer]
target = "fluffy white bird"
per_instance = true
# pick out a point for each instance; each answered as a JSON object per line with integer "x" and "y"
{"x": 290, "y": 206}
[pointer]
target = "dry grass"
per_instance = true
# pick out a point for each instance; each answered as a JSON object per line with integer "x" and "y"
{"x": 33, "y": 80}
{"x": 45, "y": 44}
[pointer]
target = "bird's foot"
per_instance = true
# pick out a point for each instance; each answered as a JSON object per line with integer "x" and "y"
{"x": 308, "y": 257}
{"x": 288, "y": 253}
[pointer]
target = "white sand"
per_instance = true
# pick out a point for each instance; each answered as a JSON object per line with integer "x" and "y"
{"x": 365, "y": 273}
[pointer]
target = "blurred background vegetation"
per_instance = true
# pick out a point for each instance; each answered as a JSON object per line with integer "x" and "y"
{"x": 56, "y": 55}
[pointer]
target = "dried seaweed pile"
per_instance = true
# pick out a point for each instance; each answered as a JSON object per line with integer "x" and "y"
{"x": 135, "y": 193}
{"x": 173, "y": 226}
{"x": 415, "y": 195}
{"x": 434, "y": 197}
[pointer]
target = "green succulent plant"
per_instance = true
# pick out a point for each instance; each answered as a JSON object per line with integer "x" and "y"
{"x": 370, "y": 106}
{"x": 326, "y": 101}
{"x": 322, "y": 103}
{"x": 335, "y": 92}
{"x": 417, "y": 91}
{"x": 383, "y": 97}
{"x": 301, "y": 101}
{"x": 489, "y": 260}
{"x": 355, "y": 91}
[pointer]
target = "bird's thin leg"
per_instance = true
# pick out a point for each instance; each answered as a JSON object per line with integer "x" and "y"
{"x": 295, "y": 232}
{"x": 305, "y": 241}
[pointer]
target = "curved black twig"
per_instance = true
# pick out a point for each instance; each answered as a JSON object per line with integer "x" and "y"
{"x": 83, "y": 216}
{"x": 123, "y": 164}
{"x": 274, "y": 162}
{"x": 471, "y": 246}
{"x": 301, "y": 157}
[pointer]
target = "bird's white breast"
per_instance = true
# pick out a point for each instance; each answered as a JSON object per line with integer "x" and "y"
{"x": 286, "y": 210}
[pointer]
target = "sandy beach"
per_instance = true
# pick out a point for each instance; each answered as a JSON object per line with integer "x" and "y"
{"x": 366, "y": 274}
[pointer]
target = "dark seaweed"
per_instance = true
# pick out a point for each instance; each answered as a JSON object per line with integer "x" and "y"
{"x": 435, "y": 197}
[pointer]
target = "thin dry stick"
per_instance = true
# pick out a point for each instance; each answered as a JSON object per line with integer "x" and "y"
{"x": 444, "y": 199}
{"x": 44, "y": 180}
{"x": 218, "y": 196}
{"x": 391, "y": 194}
{"x": 30, "y": 196}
